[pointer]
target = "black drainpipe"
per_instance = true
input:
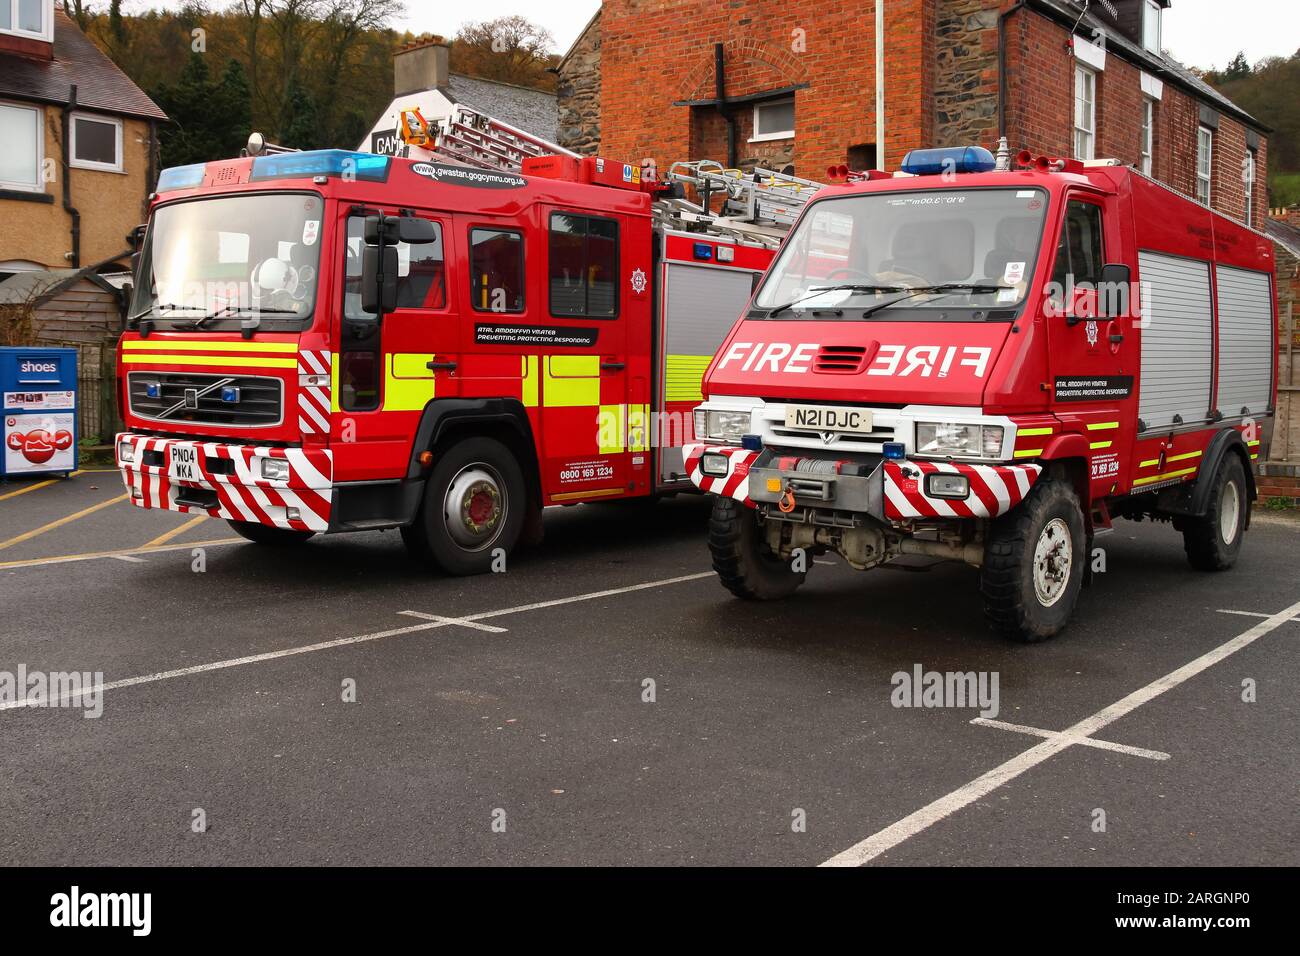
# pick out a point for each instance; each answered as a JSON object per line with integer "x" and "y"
{"x": 720, "y": 96}
{"x": 151, "y": 177}
{"x": 70, "y": 209}
{"x": 1002, "y": 65}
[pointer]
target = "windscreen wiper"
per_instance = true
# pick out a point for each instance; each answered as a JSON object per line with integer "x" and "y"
{"x": 975, "y": 288}
{"x": 835, "y": 288}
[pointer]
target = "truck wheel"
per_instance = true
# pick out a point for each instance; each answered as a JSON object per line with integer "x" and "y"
{"x": 474, "y": 503}
{"x": 265, "y": 534}
{"x": 1033, "y": 564}
{"x": 1213, "y": 540}
{"x": 741, "y": 558}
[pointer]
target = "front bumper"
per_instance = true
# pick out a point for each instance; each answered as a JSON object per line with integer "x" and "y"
{"x": 229, "y": 484}
{"x": 893, "y": 491}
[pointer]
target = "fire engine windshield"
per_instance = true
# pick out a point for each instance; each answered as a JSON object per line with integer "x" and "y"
{"x": 965, "y": 254}
{"x": 217, "y": 264}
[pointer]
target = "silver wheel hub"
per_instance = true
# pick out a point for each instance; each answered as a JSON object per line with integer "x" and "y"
{"x": 1229, "y": 512}
{"x": 1053, "y": 557}
{"x": 475, "y": 506}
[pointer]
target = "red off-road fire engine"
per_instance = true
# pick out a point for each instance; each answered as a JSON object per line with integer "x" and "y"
{"x": 972, "y": 362}
{"x": 335, "y": 341}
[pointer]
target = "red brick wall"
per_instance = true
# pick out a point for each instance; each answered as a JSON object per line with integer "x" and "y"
{"x": 657, "y": 52}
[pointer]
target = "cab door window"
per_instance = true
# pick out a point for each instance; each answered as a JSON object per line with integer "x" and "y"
{"x": 583, "y": 270}
{"x": 496, "y": 258}
{"x": 1080, "y": 253}
{"x": 421, "y": 272}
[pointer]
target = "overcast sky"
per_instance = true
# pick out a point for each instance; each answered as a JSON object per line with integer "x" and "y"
{"x": 1201, "y": 33}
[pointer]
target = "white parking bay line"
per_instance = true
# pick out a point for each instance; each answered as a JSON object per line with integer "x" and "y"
{"x": 434, "y": 622}
{"x": 1086, "y": 741}
{"x": 926, "y": 817}
{"x": 456, "y": 620}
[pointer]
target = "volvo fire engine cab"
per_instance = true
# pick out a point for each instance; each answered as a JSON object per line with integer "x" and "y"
{"x": 337, "y": 341}
{"x": 968, "y": 361}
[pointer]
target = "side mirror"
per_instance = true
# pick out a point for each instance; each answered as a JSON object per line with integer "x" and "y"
{"x": 1113, "y": 291}
{"x": 416, "y": 232}
{"x": 378, "y": 279}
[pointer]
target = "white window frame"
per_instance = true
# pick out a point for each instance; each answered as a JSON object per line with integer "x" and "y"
{"x": 1148, "y": 134}
{"x": 39, "y": 186}
{"x": 779, "y": 134}
{"x": 1147, "y": 43}
{"x": 113, "y": 121}
{"x": 1248, "y": 176}
{"x": 1088, "y": 79}
{"x": 1204, "y": 137}
{"x": 47, "y": 22}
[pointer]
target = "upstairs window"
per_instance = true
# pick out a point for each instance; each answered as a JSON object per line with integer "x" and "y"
{"x": 583, "y": 266}
{"x": 1085, "y": 112}
{"x": 28, "y": 18}
{"x": 1248, "y": 180}
{"x": 1148, "y": 134}
{"x": 1151, "y": 25}
{"x": 1204, "y": 163}
{"x": 97, "y": 143}
{"x": 22, "y": 132}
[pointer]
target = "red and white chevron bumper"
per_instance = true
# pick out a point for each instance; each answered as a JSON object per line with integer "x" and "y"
{"x": 231, "y": 477}
{"x": 994, "y": 489}
{"x": 314, "y": 399}
{"x": 735, "y": 483}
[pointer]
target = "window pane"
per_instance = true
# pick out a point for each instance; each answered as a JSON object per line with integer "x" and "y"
{"x": 29, "y": 15}
{"x": 602, "y": 267}
{"x": 96, "y": 142}
{"x": 1079, "y": 253}
{"x": 18, "y": 160}
{"x": 568, "y": 265}
{"x": 496, "y": 270}
{"x": 6, "y": 16}
{"x": 421, "y": 282}
{"x": 775, "y": 118}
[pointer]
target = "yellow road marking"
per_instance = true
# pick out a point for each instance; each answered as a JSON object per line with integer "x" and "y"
{"x": 27, "y": 535}
{"x": 1100, "y": 426}
{"x": 23, "y": 491}
{"x": 160, "y": 345}
{"x": 91, "y": 555}
{"x": 168, "y": 535}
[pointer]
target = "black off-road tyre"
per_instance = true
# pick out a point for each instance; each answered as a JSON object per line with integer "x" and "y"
{"x": 744, "y": 565}
{"x": 434, "y": 536}
{"x": 1213, "y": 540}
{"x": 1019, "y": 602}
{"x": 265, "y": 534}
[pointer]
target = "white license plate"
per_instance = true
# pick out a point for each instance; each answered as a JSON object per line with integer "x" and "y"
{"x": 828, "y": 418}
{"x": 183, "y": 463}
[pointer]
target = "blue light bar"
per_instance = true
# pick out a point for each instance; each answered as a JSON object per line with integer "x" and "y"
{"x": 324, "y": 162}
{"x": 181, "y": 177}
{"x": 955, "y": 159}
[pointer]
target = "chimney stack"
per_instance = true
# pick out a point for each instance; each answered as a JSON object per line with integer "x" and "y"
{"x": 421, "y": 65}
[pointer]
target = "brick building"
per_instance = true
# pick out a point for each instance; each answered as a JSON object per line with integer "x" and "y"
{"x": 758, "y": 82}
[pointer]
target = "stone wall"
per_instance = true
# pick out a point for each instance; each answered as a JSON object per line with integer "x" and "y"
{"x": 578, "y": 93}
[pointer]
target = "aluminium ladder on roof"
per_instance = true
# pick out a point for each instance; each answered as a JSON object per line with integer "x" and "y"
{"x": 476, "y": 139}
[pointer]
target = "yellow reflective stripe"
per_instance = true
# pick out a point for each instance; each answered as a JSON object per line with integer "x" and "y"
{"x": 412, "y": 365}
{"x": 1099, "y": 444}
{"x": 1161, "y": 477}
{"x": 404, "y": 394}
{"x": 683, "y": 376}
{"x": 601, "y": 493}
{"x": 1253, "y": 444}
{"x": 1032, "y": 431}
{"x": 528, "y": 371}
{"x": 234, "y": 361}
{"x": 173, "y": 346}
{"x": 638, "y": 428}
{"x": 612, "y": 429}
{"x": 1148, "y": 464}
{"x": 1190, "y": 454}
{"x": 572, "y": 381}
{"x": 1101, "y": 426}
{"x": 1029, "y": 453}
{"x": 334, "y": 381}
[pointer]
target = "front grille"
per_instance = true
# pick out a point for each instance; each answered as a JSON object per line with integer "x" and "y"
{"x": 840, "y": 359}
{"x": 259, "y": 403}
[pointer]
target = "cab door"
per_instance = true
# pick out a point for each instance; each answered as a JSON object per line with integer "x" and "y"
{"x": 1093, "y": 355}
{"x": 387, "y": 372}
{"x": 584, "y": 374}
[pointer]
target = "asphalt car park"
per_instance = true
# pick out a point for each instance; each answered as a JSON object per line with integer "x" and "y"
{"x": 604, "y": 701}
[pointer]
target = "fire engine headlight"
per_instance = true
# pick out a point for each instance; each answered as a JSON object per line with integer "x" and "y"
{"x": 947, "y": 486}
{"x": 958, "y": 440}
{"x": 715, "y": 465}
{"x": 275, "y": 469}
{"x": 726, "y": 426}
{"x": 125, "y": 452}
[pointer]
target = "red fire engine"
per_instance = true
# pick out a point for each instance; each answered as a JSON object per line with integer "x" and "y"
{"x": 965, "y": 361}
{"x": 334, "y": 341}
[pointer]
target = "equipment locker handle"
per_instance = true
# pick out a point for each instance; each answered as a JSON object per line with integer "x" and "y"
{"x": 613, "y": 366}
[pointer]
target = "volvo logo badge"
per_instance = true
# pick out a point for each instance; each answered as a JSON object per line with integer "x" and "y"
{"x": 191, "y": 398}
